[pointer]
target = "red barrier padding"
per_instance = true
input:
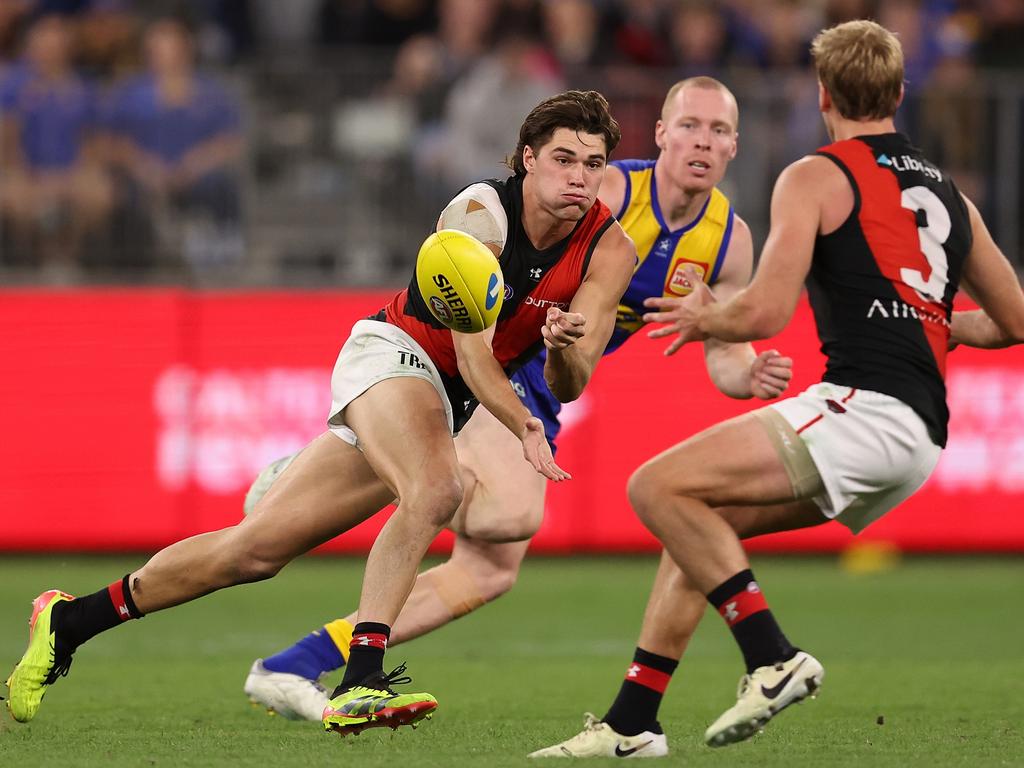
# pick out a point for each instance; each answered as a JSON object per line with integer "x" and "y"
{"x": 133, "y": 418}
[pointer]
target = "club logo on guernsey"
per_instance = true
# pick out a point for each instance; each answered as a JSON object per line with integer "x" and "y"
{"x": 492, "y": 292}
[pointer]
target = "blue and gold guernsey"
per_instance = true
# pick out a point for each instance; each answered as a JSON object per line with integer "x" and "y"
{"x": 662, "y": 254}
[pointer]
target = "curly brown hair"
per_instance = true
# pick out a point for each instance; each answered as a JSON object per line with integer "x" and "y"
{"x": 583, "y": 111}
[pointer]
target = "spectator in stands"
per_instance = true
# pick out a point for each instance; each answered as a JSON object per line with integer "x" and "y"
{"x": 53, "y": 193}
{"x": 699, "y": 36}
{"x": 374, "y": 22}
{"x": 176, "y": 136}
{"x": 480, "y": 110}
{"x": 572, "y": 29}
{"x": 12, "y": 16}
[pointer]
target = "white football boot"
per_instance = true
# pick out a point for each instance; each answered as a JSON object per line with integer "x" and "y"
{"x": 292, "y": 696}
{"x": 264, "y": 480}
{"x": 597, "y": 739}
{"x": 763, "y": 694}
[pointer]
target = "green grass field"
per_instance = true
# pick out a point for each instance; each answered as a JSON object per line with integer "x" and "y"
{"x": 934, "y": 647}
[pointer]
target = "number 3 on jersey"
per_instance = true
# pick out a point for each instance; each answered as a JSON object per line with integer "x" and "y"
{"x": 932, "y": 234}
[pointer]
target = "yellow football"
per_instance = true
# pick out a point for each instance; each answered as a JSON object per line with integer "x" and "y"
{"x": 460, "y": 281}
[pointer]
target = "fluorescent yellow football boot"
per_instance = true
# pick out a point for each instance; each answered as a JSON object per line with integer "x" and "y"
{"x": 373, "y": 705}
{"x": 42, "y": 664}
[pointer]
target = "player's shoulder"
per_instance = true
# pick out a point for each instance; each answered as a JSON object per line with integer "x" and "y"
{"x": 614, "y": 250}
{"x": 633, "y": 164}
{"x": 812, "y": 174}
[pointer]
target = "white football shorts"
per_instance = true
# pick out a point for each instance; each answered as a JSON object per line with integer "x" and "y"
{"x": 871, "y": 450}
{"x": 376, "y": 351}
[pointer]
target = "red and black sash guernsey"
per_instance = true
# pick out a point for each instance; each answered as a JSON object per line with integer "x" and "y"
{"x": 534, "y": 281}
{"x": 882, "y": 285}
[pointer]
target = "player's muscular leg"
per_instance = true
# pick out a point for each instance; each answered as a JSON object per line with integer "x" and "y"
{"x": 504, "y": 494}
{"x": 732, "y": 464}
{"x": 676, "y": 606}
{"x": 502, "y": 508}
{"x": 328, "y": 489}
{"x": 404, "y": 435}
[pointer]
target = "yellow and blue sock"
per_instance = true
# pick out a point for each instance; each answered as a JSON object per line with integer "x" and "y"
{"x": 323, "y": 650}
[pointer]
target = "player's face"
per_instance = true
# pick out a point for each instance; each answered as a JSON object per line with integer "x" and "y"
{"x": 567, "y": 172}
{"x": 697, "y": 137}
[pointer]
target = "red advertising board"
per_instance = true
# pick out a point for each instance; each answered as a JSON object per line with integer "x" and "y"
{"x": 133, "y": 418}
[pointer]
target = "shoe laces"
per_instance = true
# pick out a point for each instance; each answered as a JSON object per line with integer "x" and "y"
{"x": 396, "y": 676}
{"x": 59, "y": 669}
{"x": 590, "y": 722}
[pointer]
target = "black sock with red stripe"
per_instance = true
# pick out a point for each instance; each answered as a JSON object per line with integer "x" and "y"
{"x": 366, "y": 653}
{"x": 741, "y": 603}
{"x": 635, "y": 709}
{"x": 85, "y": 617}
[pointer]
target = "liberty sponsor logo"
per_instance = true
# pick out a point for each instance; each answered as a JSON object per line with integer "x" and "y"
{"x": 518, "y": 388}
{"x": 508, "y": 292}
{"x": 894, "y": 309}
{"x": 545, "y": 303}
{"x": 905, "y": 163}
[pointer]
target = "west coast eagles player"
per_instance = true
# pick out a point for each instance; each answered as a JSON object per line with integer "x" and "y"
{"x": 677, "y": 218}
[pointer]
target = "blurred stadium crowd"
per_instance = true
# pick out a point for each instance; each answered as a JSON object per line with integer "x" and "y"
{"x": 311, "y": 142}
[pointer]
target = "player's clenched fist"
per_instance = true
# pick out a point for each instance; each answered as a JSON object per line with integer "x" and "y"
{"x": 562, "y": 329}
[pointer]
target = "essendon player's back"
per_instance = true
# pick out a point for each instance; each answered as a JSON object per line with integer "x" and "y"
{"x": 882, "y": 283}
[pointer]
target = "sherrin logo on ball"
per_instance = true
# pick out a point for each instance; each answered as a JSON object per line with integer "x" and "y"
{"x": 460, "y": 281}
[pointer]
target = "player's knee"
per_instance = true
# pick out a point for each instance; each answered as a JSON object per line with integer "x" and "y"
{"x": 644, "y": 489}
{"x": 248, "y": 563}
{"x": 434, "y": 502}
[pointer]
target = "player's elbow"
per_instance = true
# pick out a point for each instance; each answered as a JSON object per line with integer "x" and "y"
{"x": 566, "y": 388}
{"x": 766, "y": 321}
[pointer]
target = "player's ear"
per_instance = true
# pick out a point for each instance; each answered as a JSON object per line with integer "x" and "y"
{"x": 659, "y": 134}
{"x": 529, "y": 159}
{"x": 824, "y": 100}
{"x": 902, "y": 93}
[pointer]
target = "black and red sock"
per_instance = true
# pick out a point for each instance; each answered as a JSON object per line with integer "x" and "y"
{"x": 741, "y": 603}
{"x": 366, "y": 652}
{"x": 85, "y": 617}
{"x": 635, "y": 709}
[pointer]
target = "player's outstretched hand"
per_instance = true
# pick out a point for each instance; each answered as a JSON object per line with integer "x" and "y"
{"x": 562, "y": 329}
{"x": 538, "y": 452}
{"x": 770, "y": 374}
{"x": 680, "y": 314}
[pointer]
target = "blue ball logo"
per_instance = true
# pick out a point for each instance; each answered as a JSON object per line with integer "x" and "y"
{"x": 492, "y": 292}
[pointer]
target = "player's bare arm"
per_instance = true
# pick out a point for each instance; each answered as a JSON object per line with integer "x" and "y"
{"x": 989, "y": 279}
{"x": 576, "y": 339}
{"x": 737, "y": 370}
{"x": 489, "y": 384}
{"x": 763, "y": 308}
{"x": 477, "y": 211}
